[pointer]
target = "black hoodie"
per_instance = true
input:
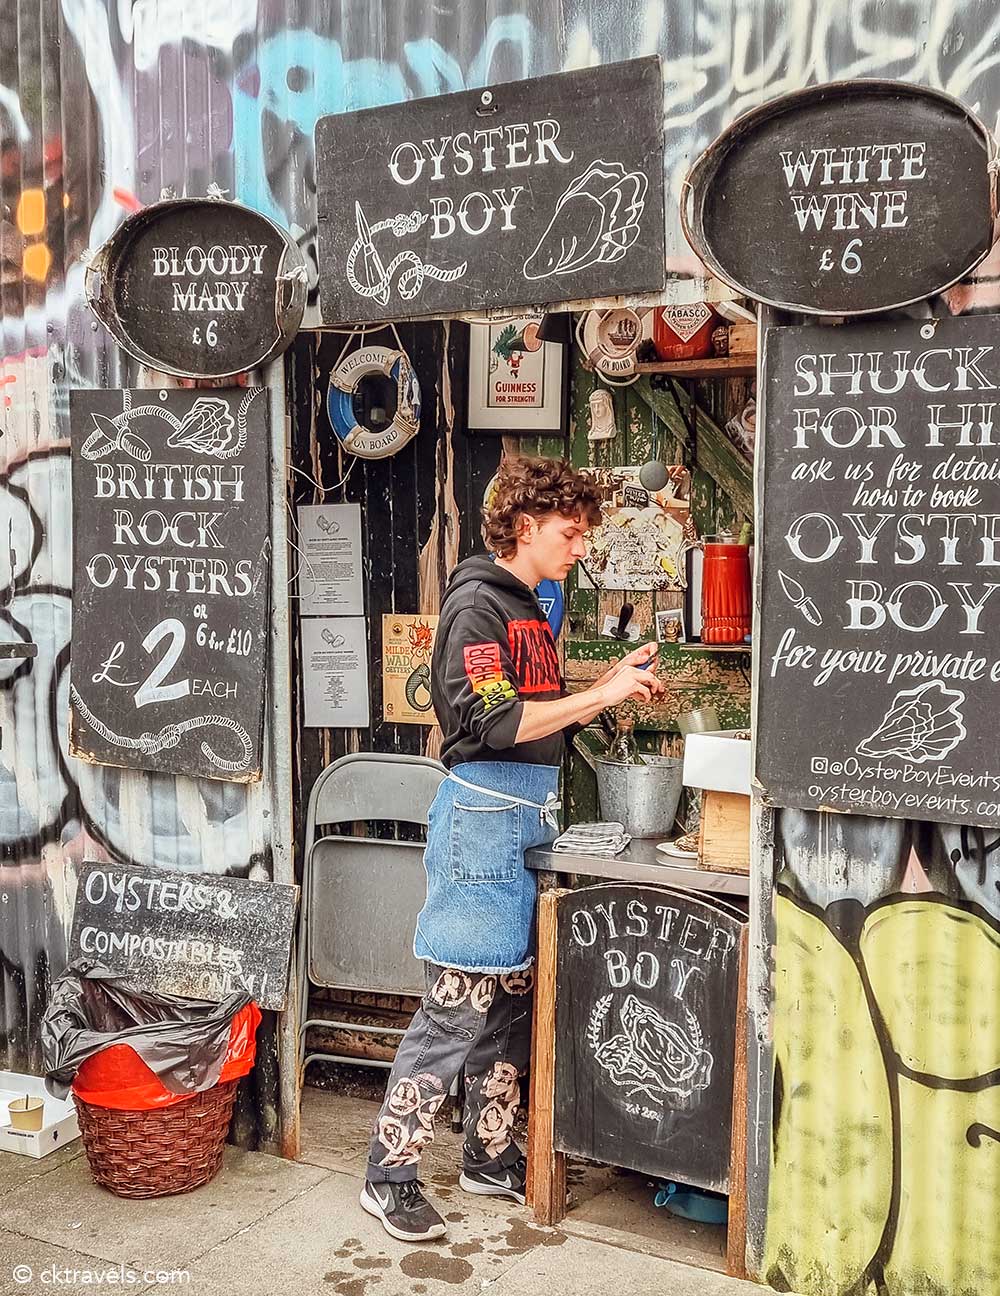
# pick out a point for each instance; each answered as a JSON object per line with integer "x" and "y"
{"x": 493, "y": 651}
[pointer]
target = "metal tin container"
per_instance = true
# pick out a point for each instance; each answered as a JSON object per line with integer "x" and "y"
{"x": 643, "y": 798}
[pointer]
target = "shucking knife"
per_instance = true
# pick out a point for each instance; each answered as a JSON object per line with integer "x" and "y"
{"x": 374, "y": 270}
{"x": 797, "y": 596}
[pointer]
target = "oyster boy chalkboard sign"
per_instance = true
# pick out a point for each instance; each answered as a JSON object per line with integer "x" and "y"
{"x": 880, "y": 606}
{"x": 536, "y": 191}
{"x": 647, "y": 988}
{"x": 171, "y": 554}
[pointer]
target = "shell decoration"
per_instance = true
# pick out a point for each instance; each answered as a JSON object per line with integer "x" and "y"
{"x": 922, "y": 724}
{"x": 207, "y": 428}
{"x": 596, "y": 220}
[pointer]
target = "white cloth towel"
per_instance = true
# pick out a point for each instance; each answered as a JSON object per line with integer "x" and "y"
{"x": 593, "y": 839}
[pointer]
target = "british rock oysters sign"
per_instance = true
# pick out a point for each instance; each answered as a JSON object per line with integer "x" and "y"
{"x": 880, "y": 602}
{"x": 535, "y": 191}
{"x": 171, "y": 553}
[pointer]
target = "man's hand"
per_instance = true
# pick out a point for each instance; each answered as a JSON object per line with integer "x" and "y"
{"x": 630, "y": 682}
{"x": 637, "y": 657}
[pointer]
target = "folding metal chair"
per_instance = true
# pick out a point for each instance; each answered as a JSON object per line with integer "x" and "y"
{"x": 361, "y": 895}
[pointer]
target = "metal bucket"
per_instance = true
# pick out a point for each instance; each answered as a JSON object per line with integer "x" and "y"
{"x": 642, "y": 797}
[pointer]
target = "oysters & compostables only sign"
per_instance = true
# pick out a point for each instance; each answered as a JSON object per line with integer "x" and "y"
{"x": 879, "y": 654}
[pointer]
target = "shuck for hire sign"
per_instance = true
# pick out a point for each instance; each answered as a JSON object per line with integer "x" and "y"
{"x": 879, "y": 652}
{"x": 171, "y": 554}
{"x": 531, "y": 192}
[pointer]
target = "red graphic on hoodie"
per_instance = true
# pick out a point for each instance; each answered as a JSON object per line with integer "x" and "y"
{"x": 536, "y": 662}
{"x": 482, "y": 663}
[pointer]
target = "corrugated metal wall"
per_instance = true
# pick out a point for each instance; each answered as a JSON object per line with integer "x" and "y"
{"x": 103, "y": 103}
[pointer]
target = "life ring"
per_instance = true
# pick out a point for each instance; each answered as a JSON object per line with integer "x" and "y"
{"x": 344, "y": 381}
{"x": 611, "y": 340}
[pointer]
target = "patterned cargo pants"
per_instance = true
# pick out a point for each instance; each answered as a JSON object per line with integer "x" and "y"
{"x": 471, "y": 1019}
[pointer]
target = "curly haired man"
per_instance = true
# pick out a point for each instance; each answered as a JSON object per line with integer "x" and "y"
{"x": 505, "y": 715}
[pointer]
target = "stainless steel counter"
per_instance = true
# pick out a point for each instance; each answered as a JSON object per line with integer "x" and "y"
{"x": 639, "y": 862}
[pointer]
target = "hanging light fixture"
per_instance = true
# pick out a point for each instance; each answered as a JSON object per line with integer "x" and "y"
{"x": 555, "y": 327}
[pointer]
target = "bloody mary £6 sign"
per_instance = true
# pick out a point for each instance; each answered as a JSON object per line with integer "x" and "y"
{"x": 879, "y": 657}
{"x": 171, "y": 555}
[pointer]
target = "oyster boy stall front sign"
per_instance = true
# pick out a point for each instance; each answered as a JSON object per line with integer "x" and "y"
{"x": 846, "y": 198}
{"x": 531, "y": 192}
{"x": 199, "y": 287}
{"x": 171, "y": 553}
{"x": 880, "y": 607}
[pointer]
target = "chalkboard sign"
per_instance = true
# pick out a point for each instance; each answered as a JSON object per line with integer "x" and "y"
{"x": 186, "y": 934}
{"x": 845, "y": 198}
{"x": 536, "y": 191}
{"x": 171, "y": 555}
{"x": 647, "y": 986}
{"x": 199, "y": 287}
{"x": 880, "y": 608}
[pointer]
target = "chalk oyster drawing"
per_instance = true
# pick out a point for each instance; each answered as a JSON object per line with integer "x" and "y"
{"x": 922, "y": 724}
{"x": 207, "y": 428}
{"x": 651, "y": 1054}
{"x": 377, "y": 280}
{"x": 596, "y": 220}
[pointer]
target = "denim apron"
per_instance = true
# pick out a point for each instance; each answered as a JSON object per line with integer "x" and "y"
{"x": 480, "y": 909}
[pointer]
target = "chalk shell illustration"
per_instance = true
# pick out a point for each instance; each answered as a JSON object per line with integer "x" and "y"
{"x": 207, "y": 427}
{"x": 653, "y": 1055}
{"x": 596, "y": 220}
{"x": 922, "y": 724}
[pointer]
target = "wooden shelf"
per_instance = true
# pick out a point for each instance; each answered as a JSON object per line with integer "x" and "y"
{"x": 719, "y": 367}
{"x": 715, "y": 648}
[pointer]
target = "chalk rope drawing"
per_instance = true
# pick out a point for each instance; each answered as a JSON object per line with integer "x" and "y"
{"x": 922, "y": 724}
{"x": 378, "y": 278}
{"x": 651, "y": 1054}
{"x": 799, "y": 599}
{"x": 207, "y": 428}
{"x": 596, "y": 220}
{"x": 171, "y": 734}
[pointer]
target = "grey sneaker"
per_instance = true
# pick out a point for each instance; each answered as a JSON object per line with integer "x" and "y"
{"x": 405, "y": 1212}
{"x": 508, "y": 1182}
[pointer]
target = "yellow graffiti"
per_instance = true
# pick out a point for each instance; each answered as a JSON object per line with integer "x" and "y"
{"x": 831, "y": 1168}
{"x": 834, "y": 1224}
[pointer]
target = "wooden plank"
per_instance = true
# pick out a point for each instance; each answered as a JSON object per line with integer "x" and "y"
{"x": 546, "y": 1187}
{"x": 736, "y": 1232}
{"x": 724, "y": 835}
{"x": 717, "y": 367}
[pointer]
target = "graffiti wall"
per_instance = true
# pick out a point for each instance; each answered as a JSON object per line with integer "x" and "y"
{"x": 106, "y": 104}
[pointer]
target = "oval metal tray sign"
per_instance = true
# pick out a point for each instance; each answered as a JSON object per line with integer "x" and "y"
{"x": 846, "y": 198}
{"x": 199, "y": 287}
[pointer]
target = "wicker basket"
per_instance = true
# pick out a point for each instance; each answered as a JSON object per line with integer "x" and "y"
{"x": 155, "y": 1153}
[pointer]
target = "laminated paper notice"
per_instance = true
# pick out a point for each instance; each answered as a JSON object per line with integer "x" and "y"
{"x": 407, "y": 643}
{"x": 330, "y": 560}
{"x": 335, "y": 673}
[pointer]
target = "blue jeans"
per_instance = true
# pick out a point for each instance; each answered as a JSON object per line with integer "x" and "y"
{"x": 478, "y": 1021}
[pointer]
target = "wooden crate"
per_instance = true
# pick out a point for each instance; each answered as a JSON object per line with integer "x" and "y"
{"x": 742, "y": 339}
{"x": 724, "y": 837}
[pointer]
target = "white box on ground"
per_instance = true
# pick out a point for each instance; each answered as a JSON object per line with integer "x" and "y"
{"x": 59, "y": 1122}
{"x": 717, "y": 762}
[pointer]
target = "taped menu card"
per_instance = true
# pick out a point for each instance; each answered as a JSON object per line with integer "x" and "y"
{"x": 330, "y": 560}
{"x": 335, "y": 673}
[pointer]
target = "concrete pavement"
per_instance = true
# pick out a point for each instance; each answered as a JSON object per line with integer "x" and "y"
{"x": 265, "y": 1226}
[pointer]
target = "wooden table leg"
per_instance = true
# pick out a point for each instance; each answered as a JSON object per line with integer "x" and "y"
{"x": 736, "y": 1233}
{"x": 546, "y": 1189}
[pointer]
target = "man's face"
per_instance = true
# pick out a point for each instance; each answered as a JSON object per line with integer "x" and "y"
{"x": 555, "y": 544}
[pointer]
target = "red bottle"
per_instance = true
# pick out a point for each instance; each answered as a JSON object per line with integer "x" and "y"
{"x": 725, "y": 594}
